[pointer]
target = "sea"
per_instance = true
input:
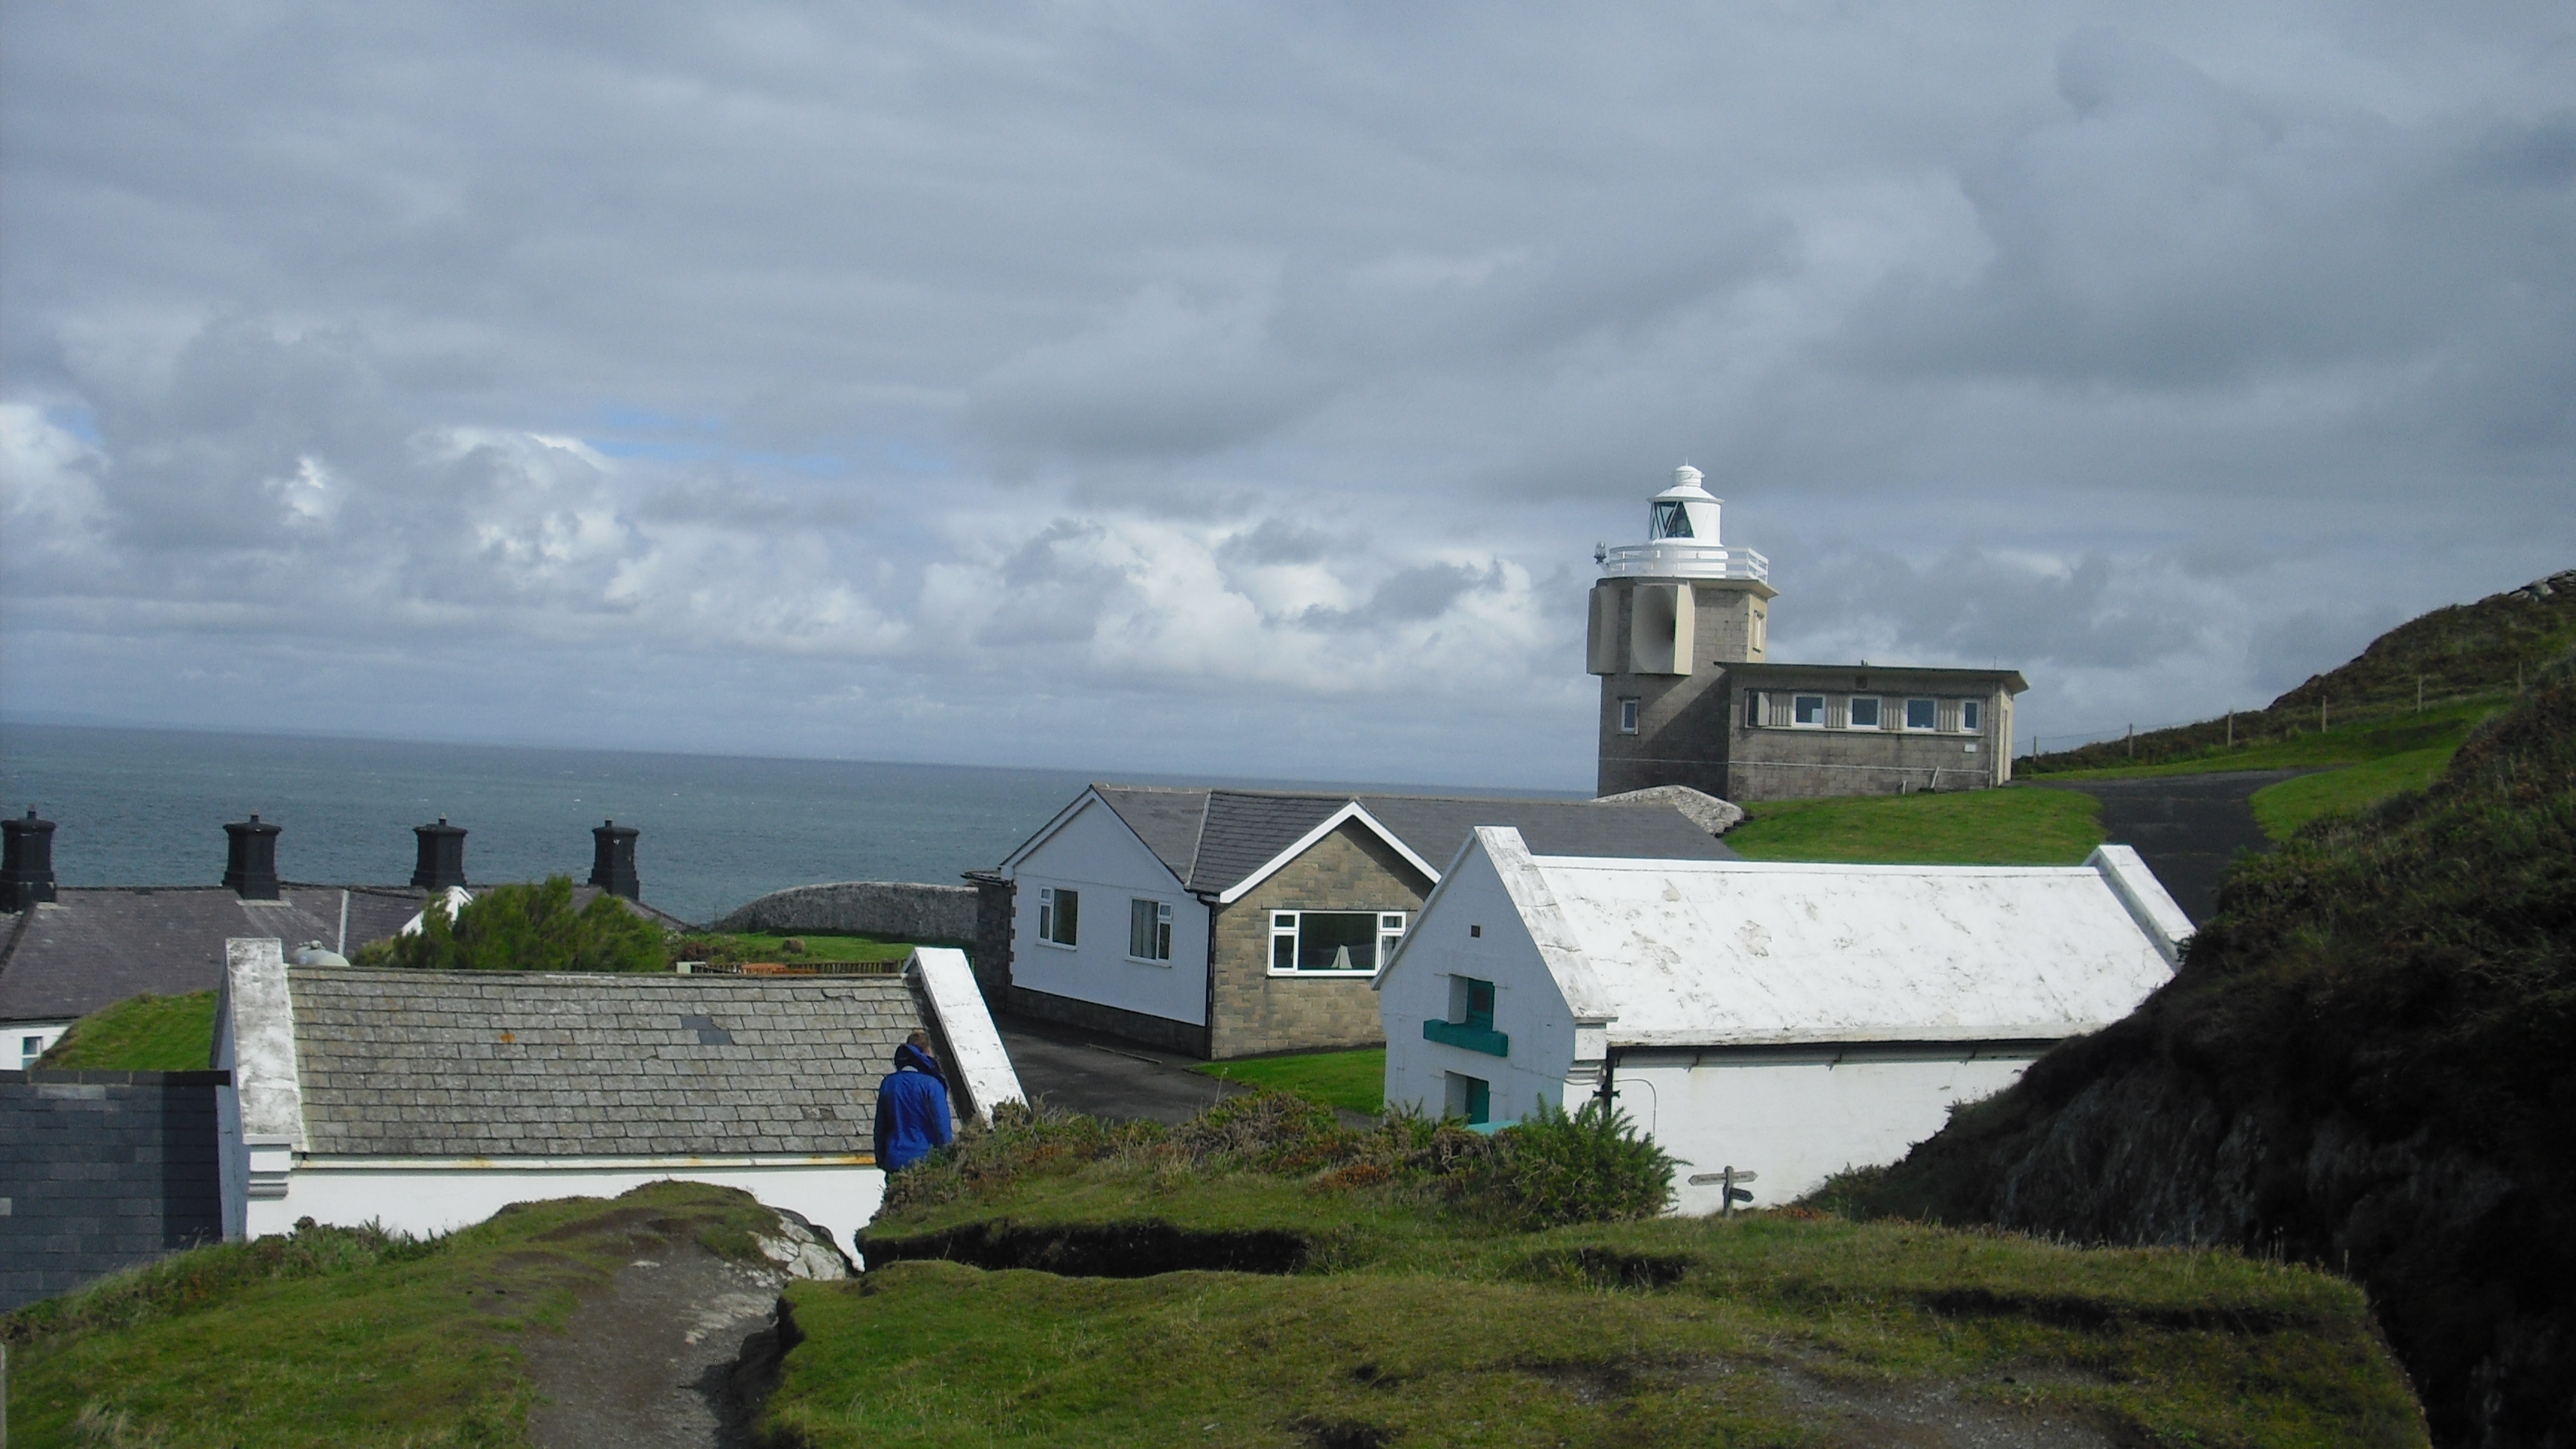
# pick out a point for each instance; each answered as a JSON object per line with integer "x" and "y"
{"x": 143, "y": 807}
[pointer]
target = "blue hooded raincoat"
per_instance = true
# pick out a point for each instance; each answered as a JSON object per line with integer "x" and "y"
{"x": 912, "y": 1110}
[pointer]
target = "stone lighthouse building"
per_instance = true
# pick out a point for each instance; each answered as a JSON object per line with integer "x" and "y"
{"x": 1678, "y": 633}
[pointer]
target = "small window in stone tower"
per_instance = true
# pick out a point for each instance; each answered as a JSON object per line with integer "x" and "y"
{"x": 1628, "y": 705}
{"x": 1671, "y": 520}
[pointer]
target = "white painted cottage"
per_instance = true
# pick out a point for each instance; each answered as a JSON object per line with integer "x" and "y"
{"x": 1787, "y": 1020}
{"x": 428, "y": 1100}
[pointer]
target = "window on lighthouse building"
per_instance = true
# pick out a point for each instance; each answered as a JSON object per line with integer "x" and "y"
{"x": 1671, "y": 520}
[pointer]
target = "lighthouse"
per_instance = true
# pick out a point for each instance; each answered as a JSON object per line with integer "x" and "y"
{"x": 1667, "y": 616}
{"x": 1690, "y": 696}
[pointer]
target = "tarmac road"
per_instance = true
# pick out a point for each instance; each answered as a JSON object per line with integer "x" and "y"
{"x": 2186, "y": 827}
{"x": 1103, "y": 1076}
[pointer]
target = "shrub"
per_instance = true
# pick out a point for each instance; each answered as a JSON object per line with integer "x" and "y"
{"x": 528, "y": 928}
{"x": 1590, "y": 1166}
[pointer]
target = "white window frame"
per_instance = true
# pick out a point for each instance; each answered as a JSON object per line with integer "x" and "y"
{"x": 1158, "y": 940}
{"x": 1284, "y": 926}
{"x": 1049, "y": 917}
{"x": 1972, "y": 716}
{"x": 1630, "y": 707}
{"x": 1877, "y": 707}
{"x": 1798, "y": 706}
{"x": 1908, "y": 717}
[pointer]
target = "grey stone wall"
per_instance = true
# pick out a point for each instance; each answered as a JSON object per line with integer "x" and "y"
{"x": 1256, "y": 1012}
{"x": 101, "y": 1171}
{"x": 902, "y": 910}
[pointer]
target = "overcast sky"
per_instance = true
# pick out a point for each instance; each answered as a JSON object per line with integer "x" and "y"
{"x": 1239, "y": 389}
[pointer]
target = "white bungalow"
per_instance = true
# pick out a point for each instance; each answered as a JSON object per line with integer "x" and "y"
{"x": 428, "y": 1100}
{"x": 1781, "y": 1020}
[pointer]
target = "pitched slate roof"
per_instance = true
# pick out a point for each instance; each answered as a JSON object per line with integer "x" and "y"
{"x": 99, "y": 945}
{"x": 1699, "y": 953}
{"x": 395, "y": 1063}
{"x": 1213, "y": 838}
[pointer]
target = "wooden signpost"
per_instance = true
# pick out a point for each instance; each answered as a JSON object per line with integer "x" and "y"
{"x": 1727, "y": 1177}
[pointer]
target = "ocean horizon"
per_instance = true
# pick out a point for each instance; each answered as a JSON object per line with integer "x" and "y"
{"x": 146, "y": 807}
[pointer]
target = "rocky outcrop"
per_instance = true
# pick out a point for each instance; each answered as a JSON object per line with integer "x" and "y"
{"x": 894, "y": 910}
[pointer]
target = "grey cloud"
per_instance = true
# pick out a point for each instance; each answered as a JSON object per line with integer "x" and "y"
{"x": 1971, "y": 606}
{"x": 1406, "y": 597}
{"x": 1274, "y": 541}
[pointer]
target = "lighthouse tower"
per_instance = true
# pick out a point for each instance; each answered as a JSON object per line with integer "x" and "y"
{"x": 1668, "y": 616}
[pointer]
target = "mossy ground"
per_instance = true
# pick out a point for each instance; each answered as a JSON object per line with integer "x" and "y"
{"x": 1354, "y": 1081}
{"x": 1770, "y": 1329}
{"x": 336, "y": 1336}
{"x": 1972, "y": 827}
{"x": 140, "y": 1034}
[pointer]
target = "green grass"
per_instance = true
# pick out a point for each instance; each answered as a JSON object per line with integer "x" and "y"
{"x": 1354, "y": 1081}
{"x": 2352, "y": 742}
{"x": 140, "y": 1034}
{"x": 2281, "y": 809}
{"x": 1763, "y": 1327}
{"x": 1970, "y": 827}
{"x": 768, "y": 946}
{"x": 337, "y": 1336}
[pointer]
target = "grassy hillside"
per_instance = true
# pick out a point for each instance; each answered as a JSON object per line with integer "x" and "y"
{"x": 1971, "y": 827}
{"x": 1251, "y": 1282}
{"x": 140, "y": 1034}
{"x": 2364, "y": 1062}
{"x": 2457, "y": 663}
{"x": 339, "y": 1336}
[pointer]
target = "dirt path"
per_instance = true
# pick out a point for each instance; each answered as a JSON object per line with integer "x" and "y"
{"x": 2186, "y": 827}
{"x": 672, "y": 1355}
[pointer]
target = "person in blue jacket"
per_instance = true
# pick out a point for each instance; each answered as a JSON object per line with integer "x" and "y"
{"x": 912, "y": 1107}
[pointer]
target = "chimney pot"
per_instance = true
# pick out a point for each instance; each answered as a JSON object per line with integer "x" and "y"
{"x": 250, "y": 859}
{"x": 442, "y": 856}
{"x": 612, "y": 859}
{"x": 26, "y": 862}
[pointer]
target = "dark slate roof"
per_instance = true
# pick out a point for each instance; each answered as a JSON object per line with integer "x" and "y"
{"x": 99, "y": 945}
{"x": 1212, "y": 839}
{"x": 503, "y": 1064}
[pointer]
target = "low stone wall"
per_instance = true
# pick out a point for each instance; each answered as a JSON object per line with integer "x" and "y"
{"x": 900, "y": 910}
{"x": 101, "y": 1171}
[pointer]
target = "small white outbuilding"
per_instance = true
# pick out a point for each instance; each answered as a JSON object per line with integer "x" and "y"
{"x": 1783, "y": 1020}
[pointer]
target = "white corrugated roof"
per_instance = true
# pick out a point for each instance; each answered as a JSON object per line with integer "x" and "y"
{"x": 1696, "y": 952}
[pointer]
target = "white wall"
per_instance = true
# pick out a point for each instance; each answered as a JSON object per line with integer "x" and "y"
{"x": 421, "y": 1200}
{"x": 1795, "y": 1123}
{"x": 1095, "y": 853}
{"x": 1528, "y": 1008}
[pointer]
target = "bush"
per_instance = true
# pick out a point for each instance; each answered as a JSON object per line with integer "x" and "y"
{"x": 528, "y": 928}
{"x": 1589, "y": 1166}
{"x": 1550, "y": 1170}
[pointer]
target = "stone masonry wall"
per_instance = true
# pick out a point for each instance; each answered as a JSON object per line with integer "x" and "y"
{"x": 101, "y": 1171}
{"x": 901, "y": 910}
{"x": 1256, "y": 1012}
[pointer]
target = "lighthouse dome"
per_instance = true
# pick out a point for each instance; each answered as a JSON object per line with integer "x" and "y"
{"x": 1685, "y": 510}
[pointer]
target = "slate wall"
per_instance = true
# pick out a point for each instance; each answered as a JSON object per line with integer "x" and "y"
{"x": 942, "y": 915}
{"x": 101, "y": 1171}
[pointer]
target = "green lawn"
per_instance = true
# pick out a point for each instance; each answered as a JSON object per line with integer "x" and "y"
{"x": 1354, "y": 1080}
{"x": 337, "y": 1336}
{"x": 141, "y": 1034}
{"x": 2281, "y": 809}
{"x": 1969, "y": 827}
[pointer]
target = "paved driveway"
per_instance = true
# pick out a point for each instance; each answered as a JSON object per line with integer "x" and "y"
{"x": 1104, "y": 1077}
{"x": 2186, "y": 827}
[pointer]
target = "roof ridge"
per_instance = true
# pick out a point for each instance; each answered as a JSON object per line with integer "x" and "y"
{"x": 1198, "y": 838}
